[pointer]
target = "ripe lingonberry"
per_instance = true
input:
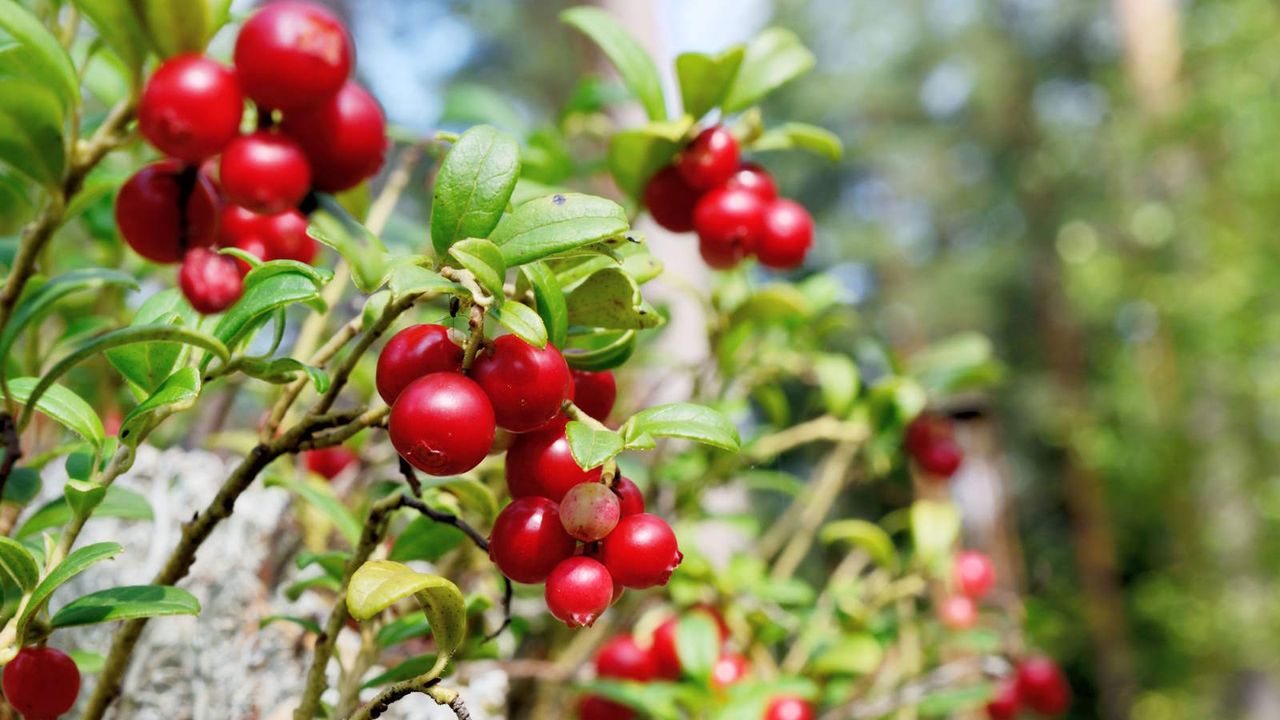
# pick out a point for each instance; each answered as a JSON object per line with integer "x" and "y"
{"x": 641, "y": 551}
{"x": 190, "y": 108}
{"x": 344, "y": 138}
{"x": 624, "y": 659}
{"x": 671, "y": 200}
{"x": 413, "y": 352}
{"x": 526, "y": 384}
{"x": 266, "y": 172}
{"x": 750, "y": 176}
{"x": 729, "y": 669}
{"x": 594, "y": 392}
{"x": 958, "y": 612}
{"x": 589, "y": 511}
{"x": 973, "y": 573}
{"x": 329, "y": 462}
{"x": 210, "y": 281}
{"x": 666, "y": 659}
{"x": 930, "y": 439}
{"x": 630, "y": 499}
{"x": 236, "y": 222}
{"x": 711, "y": 159}
{"x": 540, "y": 463}
{"x": 528, "y": 541}
{"x": 41, "y": 683}
{"x": 730, "y": 223}
{"x": 1042, "y": 686}
{"x": 292, "y": 54}
{"x": 594, "y": 707}
{"x": 789, "y": 707}
{"x": 286, "y": 238}
{"x": 165, "y": 209}
{"x": 578, "y": 591}
{"x": 1005, "y": 703}
{"x": 788, "y": 233}
{"x": 442, "y": 424}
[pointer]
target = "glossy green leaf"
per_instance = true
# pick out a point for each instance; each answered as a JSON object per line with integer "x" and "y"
{"x": 549, "y": 300}
{"x": 31, "y": 140}
{"x": 75, "y": 563}
{"x": 378, "y": 584}
{"x": 264, "y": 293}
{"x": 473, "y": 186}
{"x": 838, "y": 379}
{"x": 61, "y": 405}
{"x": 364, "y": 252}
{"x": 119, "y": 26}
{"x": 698, "y": 645}
{"x": 415, "y": 280}
{"x": 590, "y": 447}
{"x": 631, "y": 60}
{"x": 83, "y": 496}
{"x": 147, "y": 365}
{"x": 40, "y": 299}
{"x": 556, "y": 224}
{"x": 600, "y": 350}
{"x": 523, "y": 322}
{"x": 801, "y": 136}
{"x": 411, "y": 668}
{"x": 18, "y": 565}
{"x": 22, "y": 486}
{"x": 126, "y": 603}
{"x": 611, "y": 299}
{"x": 179, "y": 27}
{"x": 320, "y": 495}
{"x": 705, "y": 79}
{"x": 425, "y": 539}
{"x": 177, "y": 393}
{"x": 472, "y": 494}
{"x": 279, "y": 371}
{"x": 484, "y": 260}
{"x": 407, "y": 627}
{"x": 87, "y": 662}
{"x": 31, "y": 51}
{"x": 682, "y": 420}
{"x": 868, "y": 536}
{"x": 117, "y": 502}
{"x": 773, "y": 58}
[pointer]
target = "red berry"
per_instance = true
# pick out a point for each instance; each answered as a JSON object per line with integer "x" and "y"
{"x": 526, "y": 384}
{"x": 265, "y": 172}
{"x": 594, "y": 392}
{"x": 788, "y": 233}
{"x": 211, "y": 282}
{"x": 253, "y": 245}
{"x": 721, "y": 256}
{"x": 153, "y": 217}
{"x": 442, "y": 424}
{"x": 666, "y": 659}
{"x": 589, "y": 511}
{"x": 941, "y": 459}
{"x": 41, "y": 683}
{"x": 237, "y": 222}
{"x": 630, "y": 499}
{"x": 750, "y": 176}
{"x": 594, "y": 707}
{"x": 578, "y": 591}
{"x": 413, "y": 352}
{"x": 641, "y": 551}
{"x": 671, "y": 200}
{"x": 190, "y": 108}
{"x": 729, "y": 669}
{"x": 1004, "y": 705}
{"x": 973, "y": 573}
{"x": 329, "y": 462}
{"x": 528, "y": 542}
{"x": 926, "y": 429}
{"x": 789, "y": 707}
{"x": 344, "y": 138}
{"x": 711, "y": 159}
{"x": 930, "y": 439}
{"x": 286, "y": 238}
{"x": 540, "y": 463}
{"x": 1042, "y": 687}
{"x": 730, "y": 224}
{"x": 291, "y": 55}
{"x": 958, "y": 612}
{"x": 624, "y": 659}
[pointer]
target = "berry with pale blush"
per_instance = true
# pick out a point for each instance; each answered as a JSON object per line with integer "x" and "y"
{"x": 590, "y": 511}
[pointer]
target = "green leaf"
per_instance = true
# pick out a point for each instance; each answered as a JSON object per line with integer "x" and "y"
{"x": 31, "y": 119}
{"x": 473, "y": 186}
{"x": 611, "y": 299}
{"x": 178, "y": 27}
{"x": 31, "y": 51}
{"x": 858, "y": 654}
{"x": 550, "y": 301}
{"x": 411, "y": 668}
{"x": 320, "y": 495}
{"x": 325, "y": 582}
{"x": 865, "y": 535}
{"x": 484, "y": 260}
{"x": 473, "y": 494}
{"x": 705, "y": 79}
{"x": 305, "y": 623}
{"x": 953, "y": 701}
{"x": 600, "y": 350}
{"x": 774, "y": 57}
{"x": 634, "y": 65}
{"x": 126, "y": 603}
{"x": 363, "y": 251}
{"x": 652, "y": 700}
{"x": 23, "y": 485}
{"x": 63, "y": 406}
{"x": 265, "y": 291}
{"x": 555, "y": 224}
{"x": 635, "y": 155}
{"x": 149, "y": 364}
{"x": 682, "y": 420}
{"x": 120, "y": 28}
{"x": 522, "y": 321}
{"x": 77, "y": 562}
{"x": 415, "y": 280}
{"x": 83, "y": 496}
{"x": 961, "y": 362}
{"x": 18, "y": 565}
{"x": 283, "y": 370}
{"x": 404, "y": 628}
{"x": 935, "y": 527}
{"x": 590, "y": 447}
{"x": 698, "y": 645}
{"x": 118, "y": 502}
{"x": 334, "y": 562}
{"x": 177, "y": 393}
{"x": 37, "y": 302}
{"x": 88, "y": 662}
{"x": 801, "y": 136}
{"x": 839, "y": 381}
{"x": 425, "y": 539}
{"x": 378, "y": 584}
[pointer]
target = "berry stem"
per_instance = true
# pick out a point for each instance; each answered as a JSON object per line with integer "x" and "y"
{"x": 475, "y": 335}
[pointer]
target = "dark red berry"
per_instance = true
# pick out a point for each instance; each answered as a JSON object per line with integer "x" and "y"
{"x": 788, "y": 233}
{"x": 236, "y": 222}
{"x": 526, "y": 384}
{"x": 711, "y": 159}
{"x": 266, "y": 172}
{"x": 210, "y": 281}
{"x": 190, "y": 108}
{"x": 413, "y": 352}
{"x": 973, "y": 573}
{"x": 641, "y": 552}
{"x": 594, "y": 392}
{"x": 344, "y": 138}
{"x": 292, "y": 55}
{"x": 624, "y": 659}
{"x": 528, "y": 542}
{"x": 926, "y": 429}
{"x": 671, "y": 200}
{"x": 1005, "y": 704}
{"x": 589, "y": 511}
{"x": 729, "y": 669}
{"x": 578, "y": 591}
{"x": 41, "y": 683}
{"x": 1042, "y": 686}
{"x": 286, "y": 238}
{"x": 930, "y": 439}
{"x": 442, "y": 424}
{"x": 789, "y": 707}
{"x": 941, "y": 459}
{"x": 329, "y": 462}
{"x": 630, "y": 499}
{"x": 730, "y": 223}
{"x": 958, "y": 612}
{"x": 750, "y": 176}
{"x": 540, "y": 463}
{"x": 721, "y": 256}
{"x": 153, "y": 217}
{"x": 594, "y": 707}
{"x": 666, "y": 659}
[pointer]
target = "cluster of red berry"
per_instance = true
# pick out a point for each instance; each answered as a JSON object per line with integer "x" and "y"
{"x": 972, "y": 576}
{"x": 41, "y": 682}
{"x": 734, "y": 207}
{"x": 1036, "y": 684}
{"x": 316, "y": 130}
{"x": 622, "y": 658}
{"x": 931, "y": 442}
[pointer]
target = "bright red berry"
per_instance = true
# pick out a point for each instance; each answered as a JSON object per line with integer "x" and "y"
{"x": 641, "y": 552}
{"x": 624, "y": 659}
{"x": 292, "y": 55}
{"x": 413, "y": 352}
{"x": 166, "y": 209}
{"x": 671, "y": 200}
{"x": 711, "y": 159}
{"x": 329, "y": 462}
{"x": 526, "y": 384}
{"x": 666, "y": 659}
{"x": 578, "y": 591}
{"x": 788, "y": 233}
{"x": 211, "y": 282}
{"x": 594, "y": 707}
{"x": 730, "y": 224}
{"x": 589, "y": 511}
{"x": 789, "y": 707}
{"x": 236, "y": 222}
{"x": 528, "y": 542}
{"x": 958, "y": 612}
{"x": 594, "y": 392}
{"x": 41, "y": 683}
{"x": 286, "y": 238}
{"x": 190, "y": 108}
{"x": 344, "y": 138}
{"x": 729, "y": 669}
{"x": 442, "y": 424}
{"x": 540, "y": 463}
{"x": 266, "y": 172}
{"x": 1005, "y": 704}
{"x": 973, "y": 573}
{"x": 1042, "y": 686}
{"x": 630, "y": 499}
{"x": 750, "y": 176}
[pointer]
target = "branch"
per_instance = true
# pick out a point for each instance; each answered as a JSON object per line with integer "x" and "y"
{"x": 912, "y": 693}
{"x": 426, "y": 684}
{"x": 12, "y": 448}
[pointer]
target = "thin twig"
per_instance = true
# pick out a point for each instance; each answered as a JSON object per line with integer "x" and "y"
{"x": 12, "y": 448}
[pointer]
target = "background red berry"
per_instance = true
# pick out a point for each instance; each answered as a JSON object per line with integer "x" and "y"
{"x": 344, "y": 138}
{"x": 594, "y": 707}
{"x": 958, "y": 612}
{"x": 666, "y": 659}
{"x": 641, "y": 551}
{"x": 973, "y": 573}
{"x": 211, "y": 282}
{"x": 594, "y": 392}
{"x": 526, "y": 384}
{"x": 154, "y": 220}
{"x": 750, "y": 176}
{"x": 266, "y": 172}
{"x": 788, "y": 233}
{"x": 540, "y": 463}
{"x": 671, "y": 200}
{"x": 589, "y": 511}
{"x": 624, "y": 659}
{"x": 729, "y": 221}
{"x": 729, "y": 669}
{"x": 789, "y": 707}
{"x": 190, "y": 108}
{"x": 579, "y": 589}
{"x": 528, "y": 540}
{"x": 442, "y": 424}
{"x": 41, "y": 682}
{"x": 1004, "y": 705}
{"x": 292, "y": 55}
{"x": 329, "y": 462}
{"x": 413, "y": 352}
{"x": 1042, "y": 686}
{"x": 711, "y": 159}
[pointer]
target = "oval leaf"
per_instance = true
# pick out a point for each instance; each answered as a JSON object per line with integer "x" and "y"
{"x": 117, "y": 502}
{"x": 705, "y": 79}
{"x": 867, "y": 536}
{"x": 126, "y": 603}
{"x": 682, "y": 420}
{"x": 801, "y": 136}
{"x": 550, "y": 301}
{"x": 773, "y": 58}
{"x": 177, "y": 393}
{"x": 698, "y": 645}
{"x": 37, "y": 303}
{"x": 632, "y": 62}
{"x": 555, "y": 224}
{"x": 378, "y": 584}
{"x": 77, "y": 562}
{"x": 590, "y": 447}
{"x": 484, "y": 260}
{"x": 611, "y": 299}
{"x": 63, "y": 406}
{"x": 18, "y": 564}
{"x": 473, "y": 186}
{"x": 522, "y": 321}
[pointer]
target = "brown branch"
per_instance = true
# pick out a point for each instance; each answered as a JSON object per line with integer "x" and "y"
{"x": 12, "y": 448}
{"x": 426, "y": 684}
